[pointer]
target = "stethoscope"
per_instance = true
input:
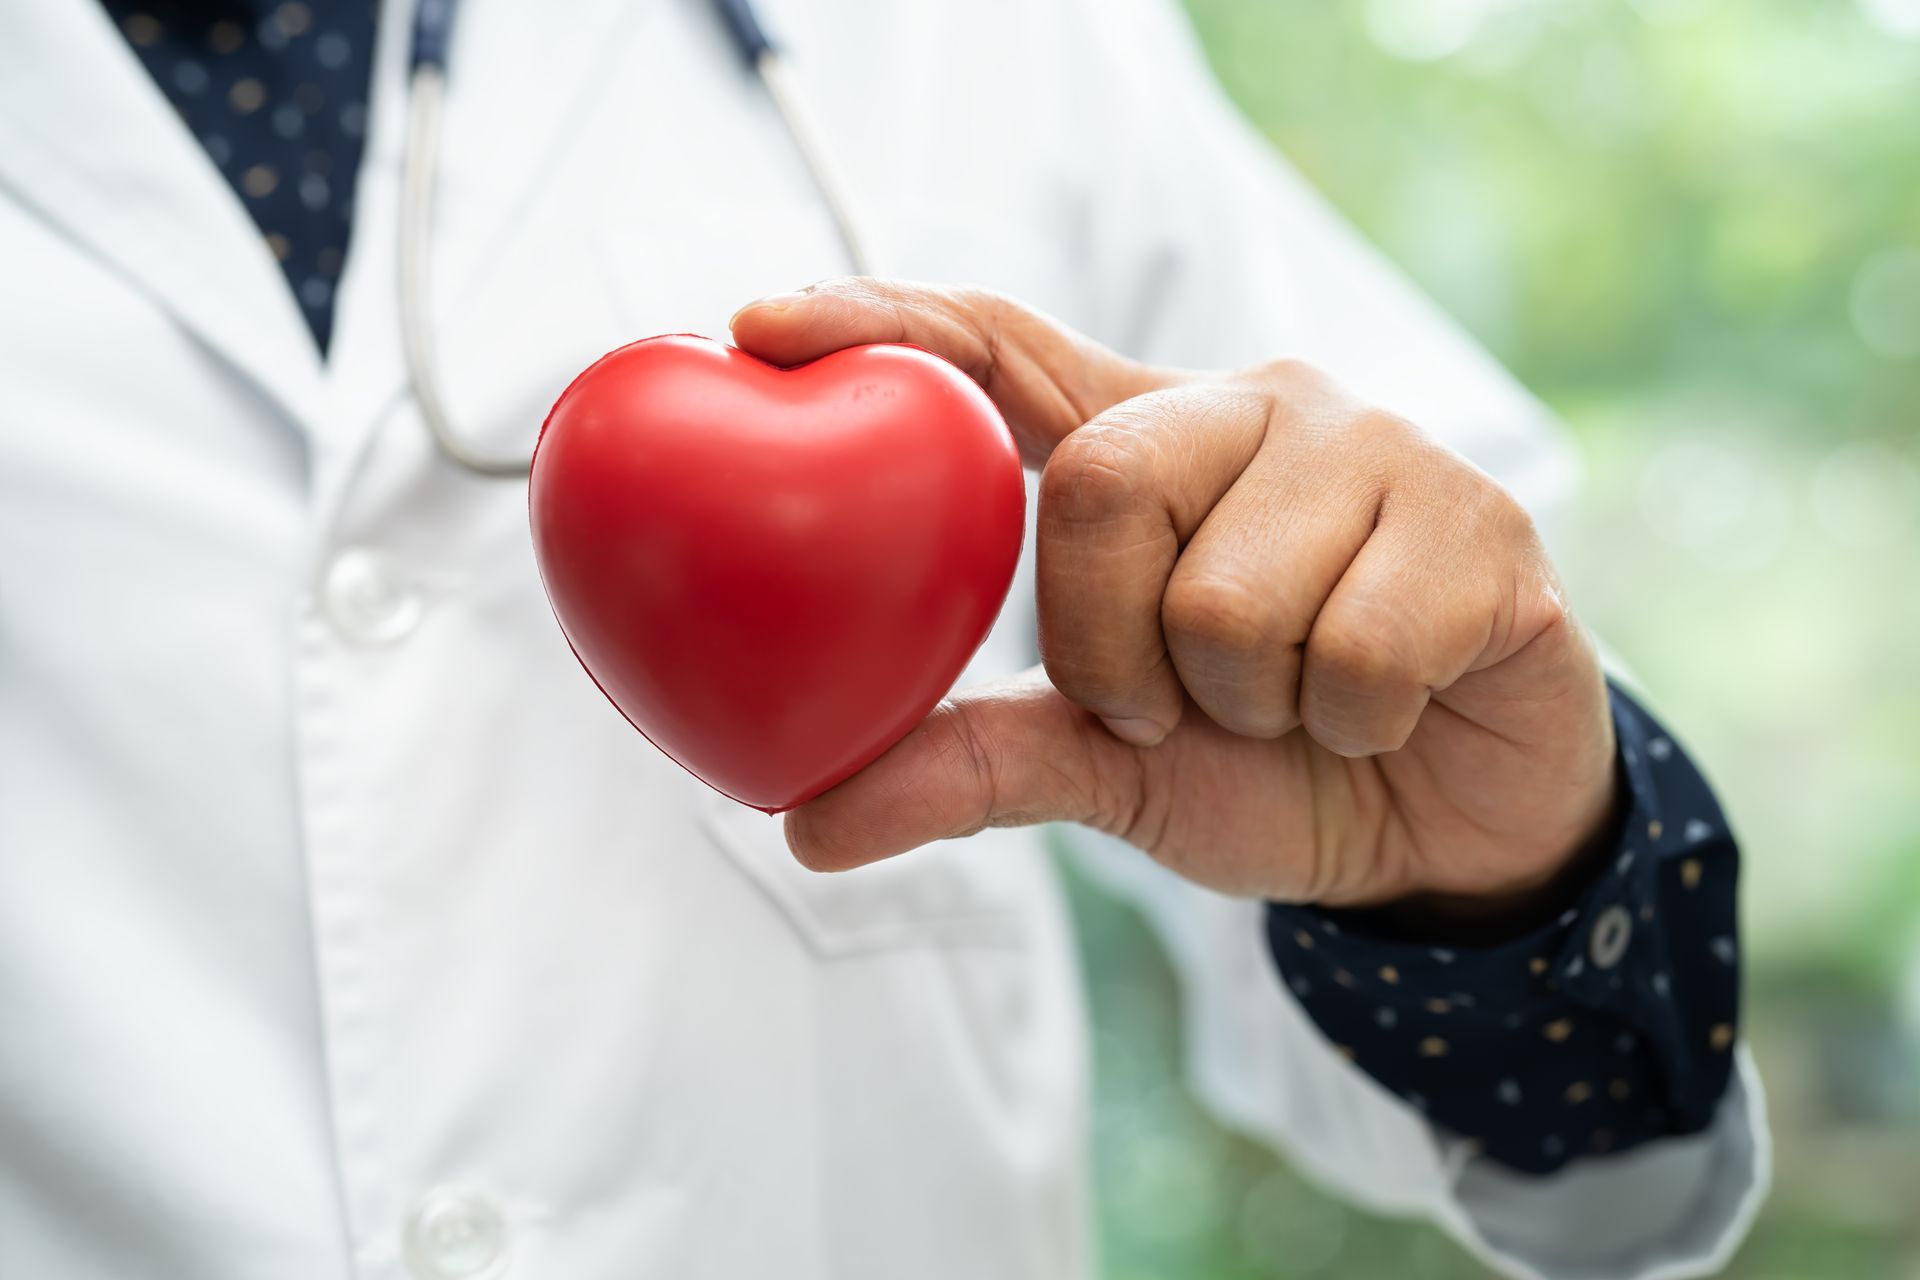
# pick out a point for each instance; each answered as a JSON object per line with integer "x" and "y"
{"x": 432, "y": 30}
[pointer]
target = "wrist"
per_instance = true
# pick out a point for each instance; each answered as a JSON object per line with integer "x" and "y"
{"x": 1518, "y": 903}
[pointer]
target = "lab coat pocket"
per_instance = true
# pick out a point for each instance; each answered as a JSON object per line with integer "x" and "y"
{"x": 946, "y": 1009}
{"x": 966, "y": 893}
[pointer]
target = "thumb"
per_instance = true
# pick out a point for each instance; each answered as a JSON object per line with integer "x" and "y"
{"x": 1010, "y": 754}
{"x": 1045, "y": 378}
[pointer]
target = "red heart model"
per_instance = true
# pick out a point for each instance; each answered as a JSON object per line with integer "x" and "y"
{"x": 775, "y": 573}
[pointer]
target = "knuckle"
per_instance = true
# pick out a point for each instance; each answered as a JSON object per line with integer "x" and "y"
{"x": 1540, "y": 606}
{"x": 1289, "y": 374}
{"x": 1512, "y": 523}
{"x": 1491, "y": 536}
{"x": 1385, "y": 433}
{"x": 981, "y": 310}
{"x": 965, "y": 320}
{"x": 1361, "y": 653}
{"x": 1217, "y": 614}
{"x": 1253, "y": 720}
{"x": 1288, "y": 377}
{"x": 1097, "y": 472}
{"x": 981, "y": 303}
{"x": 1461, "y": 489}
{"x": 1084, "y": 679}
{"x": 1139, "y": 687}
{"x": 964, "y": 747}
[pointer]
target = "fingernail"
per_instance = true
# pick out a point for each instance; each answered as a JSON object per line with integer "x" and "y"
{"x": 772, "y": 302}
{"x": 1141, "y": 733}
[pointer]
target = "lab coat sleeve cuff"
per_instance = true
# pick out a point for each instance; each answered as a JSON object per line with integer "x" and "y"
{"x": 1671, "y": 1209}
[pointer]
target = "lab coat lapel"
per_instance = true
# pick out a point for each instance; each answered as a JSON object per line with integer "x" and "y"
{"x": 89, "y": 142}
{"x": 519, "y": 74}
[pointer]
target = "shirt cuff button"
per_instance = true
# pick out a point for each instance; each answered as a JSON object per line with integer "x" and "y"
{"x": 1611, "y": 934}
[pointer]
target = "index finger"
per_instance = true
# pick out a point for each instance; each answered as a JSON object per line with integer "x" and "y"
{"x": 1045, "y": 379}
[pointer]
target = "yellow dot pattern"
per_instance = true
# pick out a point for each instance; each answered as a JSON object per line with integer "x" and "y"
{"x": 276, "y": 96}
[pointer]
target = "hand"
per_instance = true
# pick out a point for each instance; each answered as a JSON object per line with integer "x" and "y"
{"x": 1293, "y": 648}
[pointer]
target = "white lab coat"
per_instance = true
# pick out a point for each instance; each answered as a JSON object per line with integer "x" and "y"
{"x": 346, "y": 930}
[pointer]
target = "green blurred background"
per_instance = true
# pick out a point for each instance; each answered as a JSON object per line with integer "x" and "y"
{"x": 1693, "y": 226}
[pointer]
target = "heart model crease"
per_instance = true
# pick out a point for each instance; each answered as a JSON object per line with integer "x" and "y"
{"x": 773, "y": 573}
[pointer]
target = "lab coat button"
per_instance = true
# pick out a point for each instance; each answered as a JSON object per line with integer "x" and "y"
{"x": 456, "y": 1234}
{"x": 368, "y": 598}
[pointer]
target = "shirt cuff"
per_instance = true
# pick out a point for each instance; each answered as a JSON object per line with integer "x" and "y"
{"x": 1610, "y": 1027}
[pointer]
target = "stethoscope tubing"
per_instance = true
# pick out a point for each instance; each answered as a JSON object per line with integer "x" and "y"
{"x": 432, "y": 35}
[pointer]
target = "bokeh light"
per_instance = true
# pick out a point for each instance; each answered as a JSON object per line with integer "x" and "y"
{"x": 1866, "y": 495}
{"x": 1427, "y": 30}
{"x": 1886, "y": 304}
{"x": 1724, "y": 504}
{"x": 1895, "y": 17}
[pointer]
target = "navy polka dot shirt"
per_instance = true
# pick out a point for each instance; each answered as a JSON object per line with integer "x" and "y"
{"x": 277, "y": 95}
{"x": 1611, "y": 1026}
